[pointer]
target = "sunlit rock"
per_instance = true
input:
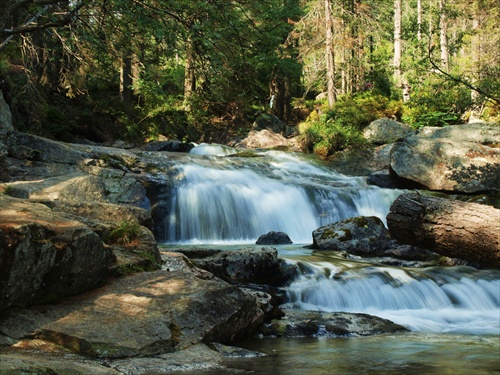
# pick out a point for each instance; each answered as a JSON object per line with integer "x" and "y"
{"x": 148, "y": 313}
{"x": 459, "y": 158}
{"x": 46, "y": 255}
{"x": 385, "y": 130}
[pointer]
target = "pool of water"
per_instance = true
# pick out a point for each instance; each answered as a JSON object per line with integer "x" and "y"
{"x": 412, "y": 353}
{"x": 453, "y": 314}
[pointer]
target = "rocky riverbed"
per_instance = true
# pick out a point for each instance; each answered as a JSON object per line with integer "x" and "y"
{"x": 85, "y": 289}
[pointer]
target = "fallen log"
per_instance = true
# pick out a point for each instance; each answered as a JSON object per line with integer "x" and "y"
{"x": 467, "y": 231}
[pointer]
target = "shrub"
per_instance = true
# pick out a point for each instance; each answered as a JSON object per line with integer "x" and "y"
{"x": 125, "y": 234}
{"x": 341, "y": 127}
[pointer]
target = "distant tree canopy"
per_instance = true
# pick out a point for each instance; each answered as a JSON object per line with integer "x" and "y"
{"x": 201, "y": 70}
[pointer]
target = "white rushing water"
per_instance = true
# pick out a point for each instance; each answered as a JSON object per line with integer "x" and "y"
{"x": 223, "y": 200}
{"x": 239, "y": 199}
{"x": 437, "y": 299}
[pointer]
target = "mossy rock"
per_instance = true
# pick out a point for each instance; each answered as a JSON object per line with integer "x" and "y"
{"x": 357, "y": 235}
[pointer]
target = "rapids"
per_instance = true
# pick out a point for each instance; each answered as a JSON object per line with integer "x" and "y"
{"x": 236, "y": 199}
{"x": 226, "y": 202}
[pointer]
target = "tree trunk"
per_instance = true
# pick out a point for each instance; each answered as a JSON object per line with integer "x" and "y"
{"x": 126, "y": 83}
{"x": 189, "y": 73}
{"x": 443, "y": 38}
{"x": 330, "y": 61}
{"x": 476, "y": 51}
{"x": 397, "y": 43}
{"x": 468, "y": 231}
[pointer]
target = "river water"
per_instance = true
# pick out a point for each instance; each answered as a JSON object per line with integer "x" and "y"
{"x": 453, "y": 313}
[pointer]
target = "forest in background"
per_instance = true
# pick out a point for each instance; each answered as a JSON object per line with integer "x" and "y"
{"x": 202, "y": 70}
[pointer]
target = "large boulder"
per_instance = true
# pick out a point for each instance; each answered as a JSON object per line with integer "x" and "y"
{"x": 145, "y": 314}
{"x": 365, "y": 236}
{"x": 267, "y": 139}
{"x": 127, "y": 230}
{"x": 384, "y": 131}
{"x": 46, "y": 255}
{"x": 250, "y": 265}
{"x": 274, "y": 238}
{"x": 269, "y": 122}
{"x": 361, "y": 162}
{"x": 460, "y": 158}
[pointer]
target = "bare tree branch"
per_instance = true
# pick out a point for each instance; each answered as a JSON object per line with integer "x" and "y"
{"x": 50, "y": 7}
{"x": 459, "y": 80}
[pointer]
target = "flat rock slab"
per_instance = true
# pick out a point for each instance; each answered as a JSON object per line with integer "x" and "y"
{"x": 196, "y": 357}
{"x": 303, "y": 323}
{"x": 148, "y": 313}
{"x": 28, "y": 364}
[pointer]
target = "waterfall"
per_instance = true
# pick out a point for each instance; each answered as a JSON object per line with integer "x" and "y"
{"x": 225, "y": 199}
{"x": 453, "y": 299}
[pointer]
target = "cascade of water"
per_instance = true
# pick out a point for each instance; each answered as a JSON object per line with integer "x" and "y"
{"x": 239, "y": 199}
{"x": 456, "y": 299}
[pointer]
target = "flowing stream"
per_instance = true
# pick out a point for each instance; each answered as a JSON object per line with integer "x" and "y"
{"x": 453, "y": 312}
{"x": 234, "y": 199}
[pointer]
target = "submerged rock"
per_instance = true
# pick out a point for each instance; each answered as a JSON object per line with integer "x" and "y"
{"x": 303, "y": 323}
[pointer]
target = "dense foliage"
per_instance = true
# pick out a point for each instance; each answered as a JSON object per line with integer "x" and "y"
{"x": 201, "y": 70}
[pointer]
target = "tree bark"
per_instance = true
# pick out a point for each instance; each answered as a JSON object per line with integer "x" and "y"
{"x": 189, "y": 74}
{"x": 468, "y": 231}
{"x": 330, "y": 61}
{"x": 126, "y": 83}
{"x": 397, "y": 43}
{"x": 443, "y": 38}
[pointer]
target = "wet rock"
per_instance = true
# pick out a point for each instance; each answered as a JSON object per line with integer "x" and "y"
{"x": 197, "y": 357}
{"x": 409, "y": 252}
{"x": 234, "y": 352}
{"x": 169, "y": 145}
{"x": 302, "y": 323}
{"x": 251, "y": 265}
{"x": 274, "y": 238}
{"x": 365, "y": 236}
{"x": 383, "y": 179}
